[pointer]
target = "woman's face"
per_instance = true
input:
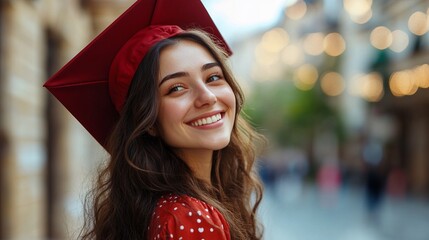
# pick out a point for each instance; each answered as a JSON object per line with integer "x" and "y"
{"x": 197, "y": 105}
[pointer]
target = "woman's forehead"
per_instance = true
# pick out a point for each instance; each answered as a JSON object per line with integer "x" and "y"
{"x": 185, "y": 54}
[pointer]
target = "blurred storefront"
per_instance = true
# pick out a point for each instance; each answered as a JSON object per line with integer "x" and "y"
{"x": 46, "y": 156}
{"x": 406, "y": 97}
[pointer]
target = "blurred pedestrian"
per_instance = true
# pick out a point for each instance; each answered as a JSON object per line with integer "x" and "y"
{"x": 375, "y": 177}
{"x": 181, "y": 156}
{"x": 329, "y": 182}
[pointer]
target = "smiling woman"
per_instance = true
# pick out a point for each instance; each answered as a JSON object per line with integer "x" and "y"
{"x": 181, "y": 155}
{"x": 187, "y": 149}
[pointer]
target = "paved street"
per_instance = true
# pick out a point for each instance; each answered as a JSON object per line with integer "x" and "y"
{"x": 303, "y": 214}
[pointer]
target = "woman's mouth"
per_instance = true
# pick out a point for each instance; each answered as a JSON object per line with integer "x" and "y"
{"x": 207, "y": 120}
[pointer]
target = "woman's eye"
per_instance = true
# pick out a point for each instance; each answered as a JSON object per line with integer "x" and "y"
{"x": 213, "y": 78}
{"x": 175, "y": 89}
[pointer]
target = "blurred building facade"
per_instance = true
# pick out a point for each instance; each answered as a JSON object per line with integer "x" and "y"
{"x": 370, "y": 59}
{"x": 407, "y": 105}
{"x": 46, "y": 156}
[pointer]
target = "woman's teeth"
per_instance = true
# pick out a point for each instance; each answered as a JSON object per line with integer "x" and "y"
{"x": 207, "y": 120}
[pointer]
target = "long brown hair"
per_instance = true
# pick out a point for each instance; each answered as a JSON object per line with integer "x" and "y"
{"x": 142, "y": 167}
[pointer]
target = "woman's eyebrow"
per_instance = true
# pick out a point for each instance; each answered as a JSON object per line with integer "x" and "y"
{"x": 184, "y": 74}
{"x": 209, "y": 65}
{"x": 173, "y": 75}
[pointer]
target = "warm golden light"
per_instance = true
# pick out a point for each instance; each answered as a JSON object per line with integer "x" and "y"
{"x": 264, "y": 57}
{"x": 357, "y": 7}
{"x": 332, "y": 84}
{"x": 297, "y": 10}
{"x": 313, "y": 44}
{"x": 305, "y": 77}
{"x": 381, "y": 37}
{"x": 361, "y": 19}
{"x": 275, "y": 40}
{"x": 402, "y": 83}
{"x": 371, "y": 87}
{"x": 421, "y": 74}
{"x": 399, "y": 41}
{"x": 292, "y": 55}
{"x": 418, "y": 23}
{"x": 334, "y": 44}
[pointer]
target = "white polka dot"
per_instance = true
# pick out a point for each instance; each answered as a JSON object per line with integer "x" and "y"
{"x": 180, "y": 238}
{"x": 175, "y": 208}
{"x": 208, "y": 216}
{"x": 159, "y": 226}
{"x": 164, "y": 201}
{"x": 192, "y": 230}
{"x": 206, "y": 210}
{"x": 182, "y": 227}
{"x": 171, "y": 235}
{"x": 199, "y": 212}
{"x": 190, "y": 213}
{"x": 198, "y": 220}
{"x": 211, "y": 229}
{"x": 200, "y": 230}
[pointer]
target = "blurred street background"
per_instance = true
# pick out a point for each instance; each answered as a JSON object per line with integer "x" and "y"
{"x": 339, "y": 87}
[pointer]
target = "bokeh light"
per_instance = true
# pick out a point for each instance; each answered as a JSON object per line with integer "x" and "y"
{"x": 297, "y": 10}
{"x": 332, "y": 84}
{"x": 275, "y": 40}
{"x": 402, "y": 83}
{"x": 418, "y": 23}
{"x": 292, "y": 55}
{"x": 421, "y": 74}
{"x": 313, "y": 43}
{"x": 400, "y": 41}
{"x": 361, "y": 19}
{"x": 305, "y": 77}
{"x": 381, "y": 37}
{"x": 264, "y": 57}
{"x": 334, "y": 44}
{"x": 371, "y": 87}
{"x": 357, "y": 7}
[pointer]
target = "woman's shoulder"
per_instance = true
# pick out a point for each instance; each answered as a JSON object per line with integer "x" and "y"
{"x": 184, "y": 217}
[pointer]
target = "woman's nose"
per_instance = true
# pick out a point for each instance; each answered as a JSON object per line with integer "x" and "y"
{"x": 204, "y": 97}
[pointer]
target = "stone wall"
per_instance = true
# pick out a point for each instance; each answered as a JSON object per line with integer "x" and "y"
{"x": 22, "y": 106}
{"x": 47, "y": 158}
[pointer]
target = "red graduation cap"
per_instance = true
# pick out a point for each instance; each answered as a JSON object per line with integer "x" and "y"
{"x": 82, "y": 85}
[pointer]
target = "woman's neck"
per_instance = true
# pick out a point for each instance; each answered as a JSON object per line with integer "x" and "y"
{"x": 200, "y": 162}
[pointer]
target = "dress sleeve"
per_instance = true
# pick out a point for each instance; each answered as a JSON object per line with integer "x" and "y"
{"x": 187, "y": 219}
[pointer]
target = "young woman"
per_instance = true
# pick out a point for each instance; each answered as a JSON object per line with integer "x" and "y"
{"x": 182, "y": 156}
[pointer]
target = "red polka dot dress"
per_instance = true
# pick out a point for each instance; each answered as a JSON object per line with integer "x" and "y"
{"x": 186, "y": 218}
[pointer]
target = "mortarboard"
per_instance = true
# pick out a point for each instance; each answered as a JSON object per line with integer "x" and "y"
{"x": 82, "y": 85}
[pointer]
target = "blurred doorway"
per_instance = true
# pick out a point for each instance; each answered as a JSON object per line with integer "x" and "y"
{"x": 52, "y": 49}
